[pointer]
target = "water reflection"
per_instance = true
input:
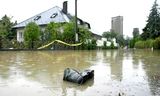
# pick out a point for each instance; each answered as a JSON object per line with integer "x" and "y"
{"x": 40, "y": 73}
{"x": 150, "y": 61}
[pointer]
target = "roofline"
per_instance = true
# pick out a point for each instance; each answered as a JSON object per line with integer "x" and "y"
{"x": 38, "y": 25}
{"x": 36, "y": 15}
{"x": 24, "y": 26}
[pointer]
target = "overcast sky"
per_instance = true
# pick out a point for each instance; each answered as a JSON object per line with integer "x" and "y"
{"x": 97, "y": 12}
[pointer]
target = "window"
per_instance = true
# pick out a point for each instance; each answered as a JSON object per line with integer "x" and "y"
{"x": 20, "y": 36}
{"x": 37, "y": 17}
{"x": 53, "y": 15}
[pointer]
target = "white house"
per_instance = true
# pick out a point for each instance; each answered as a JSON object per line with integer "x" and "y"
{"x": 55, "y": 14}
{"x": 100, "y": 43}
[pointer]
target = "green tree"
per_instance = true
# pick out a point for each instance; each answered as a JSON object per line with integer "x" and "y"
{"x": 120, "y": 40}
{"x": 113, "y": 34}
{"x": 6, "y": 25}
{"x": 152, "y": 28}
{"x": 68, "y": 35}
{"x": 107, "y": 35}
{"x": 31, "y": 35}
{"x": 52, "y": 32}
{"x": 156, "y": 43}
{"x": 136, "y": 37}
{"x": 84, "y": 34}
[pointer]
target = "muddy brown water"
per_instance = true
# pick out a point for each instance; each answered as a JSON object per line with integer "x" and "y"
{"x": 117, "y": 72}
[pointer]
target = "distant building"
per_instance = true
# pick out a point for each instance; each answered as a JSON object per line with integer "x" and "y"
{"x": 135, "y": 32}
{"x": 100, "y": 42}
{"x": 117, "y": 24}
{"x": 55, "y": 14}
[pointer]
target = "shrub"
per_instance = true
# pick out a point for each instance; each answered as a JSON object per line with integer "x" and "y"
{"x": 156, "y": 43}
{"x": 139, "y": 44}
{"x": 6, "y": 43}
{"x": 148, "y": 43}
{"x": 144, "y": 44}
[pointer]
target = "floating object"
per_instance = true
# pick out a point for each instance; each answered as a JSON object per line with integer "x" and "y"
{"x": 73, "y": 75}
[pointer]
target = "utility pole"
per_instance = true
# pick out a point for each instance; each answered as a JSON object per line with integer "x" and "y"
{"x": 76, "y": 25}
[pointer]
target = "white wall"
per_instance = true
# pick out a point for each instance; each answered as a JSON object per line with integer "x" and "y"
{"x": 100, "y": 42}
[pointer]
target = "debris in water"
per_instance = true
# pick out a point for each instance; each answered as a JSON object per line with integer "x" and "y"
{"x": 73, "y": 75}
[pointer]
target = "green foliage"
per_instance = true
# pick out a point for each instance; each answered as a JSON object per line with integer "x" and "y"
{"x": 6, "y": 43}
{"x": 17, "y": 45}
{"x": 6, "y": 25}
{"x": 68, "y": 35}
{"x": 152, "y": 28}
{"x": 109, "y": 35}
{"x": 106, "y": 35}
{"x": 113, "y": 34}
{"x": 112, "y": 45}
{"x": 144, "y": 44}
{"x": 92, "y": 45}
{"x": 140, "y": 44}
{"x": 149, "y": 43}
{"x": 136, "y": 37}
{"x": 120, "y": 40}
{"x": 132, "y": 42}
{"x": 0, "y": 42}
{"x": 156, "y": 43}
{"x": 84, "y": 34}
{"x": 52, "y": 32}
{"x": 6, "y": 32}
{"x": 31, "y": 35}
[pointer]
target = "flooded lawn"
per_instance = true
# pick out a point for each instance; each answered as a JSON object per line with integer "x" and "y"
{"x": 117, "y": 72}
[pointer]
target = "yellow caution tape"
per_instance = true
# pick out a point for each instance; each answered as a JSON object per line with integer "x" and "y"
{"x": 59, "y": 41}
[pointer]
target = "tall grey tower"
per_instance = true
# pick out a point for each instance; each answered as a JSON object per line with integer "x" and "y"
{"x": 117, "y": 24}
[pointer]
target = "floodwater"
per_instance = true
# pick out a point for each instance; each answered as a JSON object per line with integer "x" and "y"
{"x": 117, "y": 73}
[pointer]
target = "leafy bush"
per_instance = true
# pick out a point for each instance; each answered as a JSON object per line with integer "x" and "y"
{"x": 6, "y": 43}
{"x": 144, "y": 44}
{"x": 140, "y": 44}
{"x": 156, "y": 43}
{"x": 149, "y": 43}
{"x": 52, "y": 31}
{"x": 89, "y": 45}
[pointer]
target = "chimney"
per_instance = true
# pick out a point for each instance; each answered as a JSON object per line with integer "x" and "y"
{"x": 65, "y": 9}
